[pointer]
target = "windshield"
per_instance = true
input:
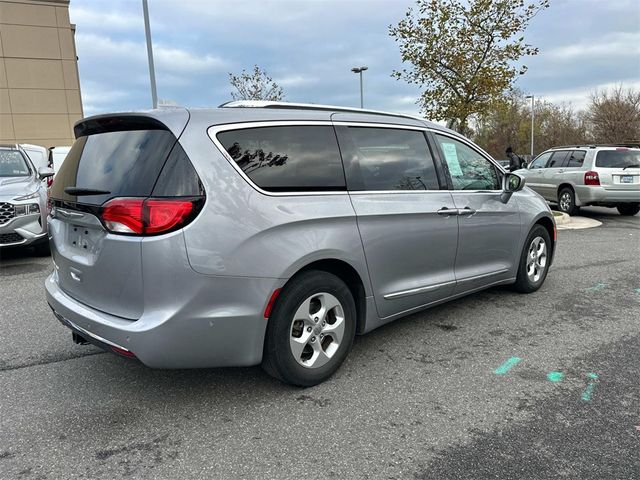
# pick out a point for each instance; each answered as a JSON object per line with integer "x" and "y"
{"x": 13, "y": 164}
{"x": 618, "y": 159}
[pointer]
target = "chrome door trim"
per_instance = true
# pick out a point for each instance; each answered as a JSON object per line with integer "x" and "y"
{"x": 415, "y": 291}
{"x": 484, "y": 275}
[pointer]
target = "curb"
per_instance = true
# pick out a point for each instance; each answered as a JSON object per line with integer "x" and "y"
{"x": 575, "y": 223}
{"x": 561, "y": 218}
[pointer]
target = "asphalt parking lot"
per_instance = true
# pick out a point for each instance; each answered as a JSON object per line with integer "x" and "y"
{"x": 419, "y": 398}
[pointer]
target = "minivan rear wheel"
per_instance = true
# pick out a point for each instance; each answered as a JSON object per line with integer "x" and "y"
{"x": 628, "y": 209}
{"x": 310, "y": 330}
{"x": 567, "y": 201}
{"x": 534, "y": 261}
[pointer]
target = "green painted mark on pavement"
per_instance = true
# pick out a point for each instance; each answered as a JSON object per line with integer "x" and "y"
{"x": 555, "y": 376}
{"x": 638, "y": 291}
{"x": 508, "y": 365}
{"x": 586, "y": 395}
{"x": 597, "y": 287}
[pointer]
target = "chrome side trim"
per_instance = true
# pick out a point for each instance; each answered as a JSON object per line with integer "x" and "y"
{"x": 484, "y": 275}
{"x": 415, "y": 291}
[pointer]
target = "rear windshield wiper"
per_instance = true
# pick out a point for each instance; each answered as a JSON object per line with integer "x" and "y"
{"x": 632, "y": 166}
{"x": 84, "y": 191}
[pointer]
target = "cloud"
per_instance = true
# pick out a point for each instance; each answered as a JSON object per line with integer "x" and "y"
{"x": 310, "y": 47}
{"x": 619, "y": 44}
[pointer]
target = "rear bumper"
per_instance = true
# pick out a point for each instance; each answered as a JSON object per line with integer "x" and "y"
{"x": 220, "y": 325}
{"x": 593, "y": 194}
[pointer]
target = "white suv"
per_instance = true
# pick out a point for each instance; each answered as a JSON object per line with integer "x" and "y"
{"x": 580, "y": 175}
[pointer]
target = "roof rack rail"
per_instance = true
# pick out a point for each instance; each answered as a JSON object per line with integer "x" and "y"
{"x": 310, "y": 106}
{"x": 595, "y": 145}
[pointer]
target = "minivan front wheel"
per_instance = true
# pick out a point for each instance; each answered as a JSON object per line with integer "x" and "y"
{"x": 310, "y": 330}
{"x": 534, "y": 260}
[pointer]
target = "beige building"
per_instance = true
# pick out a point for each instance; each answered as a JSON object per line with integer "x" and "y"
{"x": 39, "y": 87}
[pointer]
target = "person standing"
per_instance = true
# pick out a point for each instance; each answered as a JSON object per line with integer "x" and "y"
{"x": 515, "y": 161}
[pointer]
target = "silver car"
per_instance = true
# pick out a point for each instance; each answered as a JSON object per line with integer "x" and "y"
{"x": 273, "y": 233}
{"x": 23, "y": 200}
{"x": 575, "y": 176}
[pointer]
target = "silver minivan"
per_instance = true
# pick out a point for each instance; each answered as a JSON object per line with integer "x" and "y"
{"x": 273, "y": 233}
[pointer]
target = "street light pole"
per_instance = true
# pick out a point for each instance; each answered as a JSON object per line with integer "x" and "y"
{"x": 533, "y": 115}
{"x": 360, "y": 70}
{"x": 152, "y": 70}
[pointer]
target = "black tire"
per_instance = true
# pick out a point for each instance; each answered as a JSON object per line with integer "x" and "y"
{"x": 278, "y": 358}
{"x": 524, "y": 282}
{"x": 42, "y": 249}
{"x": 568, "y": 203}
{"x": 628, "y": 209}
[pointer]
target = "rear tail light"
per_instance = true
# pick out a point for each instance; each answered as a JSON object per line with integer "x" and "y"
{"x": 150, "y": 216}
{"x": 123, "y": 351}
{"x": 591, "y": 178}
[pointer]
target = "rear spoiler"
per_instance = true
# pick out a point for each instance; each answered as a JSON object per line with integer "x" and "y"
{"x": 173, "y": 120}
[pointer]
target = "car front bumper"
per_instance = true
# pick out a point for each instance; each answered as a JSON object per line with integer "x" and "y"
{"x": 23, "y": 230}
{"x": 228, "y": 331}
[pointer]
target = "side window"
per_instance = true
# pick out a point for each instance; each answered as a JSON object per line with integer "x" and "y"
{"x": 558, "y": 159}
{"x": 468, "y": 169}
{"x": 541, "y": 161}
{"x": 388, "y": 159}
{"x": 288, "y": 158}
{"x": 576, "y": 159}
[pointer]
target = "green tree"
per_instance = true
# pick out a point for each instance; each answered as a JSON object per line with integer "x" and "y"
{"x": 255, "y": 85}
{"x": 463, "y": 53}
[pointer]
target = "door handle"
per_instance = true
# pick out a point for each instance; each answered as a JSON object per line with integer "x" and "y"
{"x": 447, "y": 211}
{"x": 559, "y": 171}
{"x": 466, "y": 211}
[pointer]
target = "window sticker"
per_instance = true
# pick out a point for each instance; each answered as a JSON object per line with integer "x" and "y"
{"x": 451, "y": 156}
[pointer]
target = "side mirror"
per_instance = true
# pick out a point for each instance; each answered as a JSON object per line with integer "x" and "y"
{"x": 45, "y": 172}
{"x": 513, "y": 183}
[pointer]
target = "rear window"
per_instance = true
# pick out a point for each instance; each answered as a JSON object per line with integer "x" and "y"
{"x": 288, "y": 158}
{"x": 618, "y": 158}
{"x": 125, "y": 164}
{"x": 13, "y": 164}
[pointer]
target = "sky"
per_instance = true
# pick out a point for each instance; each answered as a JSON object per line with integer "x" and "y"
{"x": 309, "y": 48}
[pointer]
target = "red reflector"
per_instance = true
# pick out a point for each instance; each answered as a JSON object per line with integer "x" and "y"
{"x": 272, "y": 300}
{"x": 591, "y": 178}
{"x": 123, "y": 352}
{"x": 145, "y": 216}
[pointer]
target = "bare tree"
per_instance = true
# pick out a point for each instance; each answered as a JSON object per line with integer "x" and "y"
{"x": 614, "y": 115}
{"x": 255, "y": 85}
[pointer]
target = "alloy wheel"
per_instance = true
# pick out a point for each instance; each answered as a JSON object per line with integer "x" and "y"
{"x": 317, "y": 330}
{"x": 536, "y": 259}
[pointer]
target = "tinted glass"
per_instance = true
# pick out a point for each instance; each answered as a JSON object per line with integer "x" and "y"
{"x": 178, "y": 177}
{"x": 296, "y": 158}
{"x": 468, "y": 169}
{"x": 13, "y": 164}
{"x": 558, "y": 159}
{"x": 390, "y": 159}
{"x": 541, "y": 161}
{"x": 618, "y": 158}
{"x": 576, "y": 159}
{"x": 125, "y": 164}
